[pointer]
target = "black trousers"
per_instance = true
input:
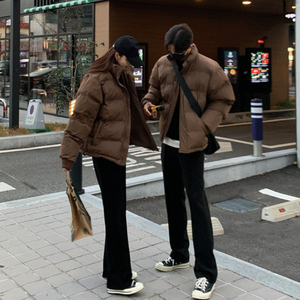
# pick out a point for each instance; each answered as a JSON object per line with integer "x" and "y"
{"x": 116, "y": 260}
{"x": 185, "y": 172}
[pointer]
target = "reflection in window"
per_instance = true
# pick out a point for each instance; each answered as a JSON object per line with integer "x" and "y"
{"x": 41, "y": 24}
{"x": 75, "y": 19}
{"x": 2, "y": 28}
{"x": 24, "y": 26}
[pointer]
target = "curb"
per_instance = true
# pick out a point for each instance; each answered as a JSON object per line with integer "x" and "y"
{"x": 215, "y": 173}
{"x": 50, "y": 138}
{"x": 31, "y": 140}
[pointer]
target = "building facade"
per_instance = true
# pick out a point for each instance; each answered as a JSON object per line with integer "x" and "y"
{"x": 50, "y": 35}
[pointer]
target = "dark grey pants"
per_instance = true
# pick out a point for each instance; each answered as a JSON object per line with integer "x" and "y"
{"x": 185, "y": 172}
{"x": 116, "y": 260}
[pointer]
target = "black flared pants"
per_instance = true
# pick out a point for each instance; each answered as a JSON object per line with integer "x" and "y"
{"x": 116, "y": 260}
{"x": 185, "y": 172}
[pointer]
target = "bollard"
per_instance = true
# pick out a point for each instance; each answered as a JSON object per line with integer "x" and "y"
{"x": 76, "y": 172}
{"x": 257, "y": 126}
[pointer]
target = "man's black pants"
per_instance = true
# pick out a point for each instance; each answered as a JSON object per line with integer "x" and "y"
{"x": 116, "y": 260}
{"x": 185, "y": 171}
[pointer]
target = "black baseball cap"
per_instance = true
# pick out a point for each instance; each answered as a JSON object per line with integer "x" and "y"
{"x": 128, "y": 46}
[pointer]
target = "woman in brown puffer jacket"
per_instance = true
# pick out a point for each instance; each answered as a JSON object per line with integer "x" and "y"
{"x": 108, "y": 118}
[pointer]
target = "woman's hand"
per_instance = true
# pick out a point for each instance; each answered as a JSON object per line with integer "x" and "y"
{"x": 146, "y": 108}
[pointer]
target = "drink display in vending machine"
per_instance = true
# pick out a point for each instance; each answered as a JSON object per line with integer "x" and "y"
{"x": 259, "y": 67}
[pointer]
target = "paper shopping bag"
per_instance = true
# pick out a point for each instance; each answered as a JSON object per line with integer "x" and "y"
{"x": 81, "y": 225}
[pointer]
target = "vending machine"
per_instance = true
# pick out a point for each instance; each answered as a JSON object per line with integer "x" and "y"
{"x": 141, "y": 74}
{"x": 228, "y": 59}
{"x": 257, "y": 79}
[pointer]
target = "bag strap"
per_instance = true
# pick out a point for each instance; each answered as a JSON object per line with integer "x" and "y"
{"x": 194, "y": 104}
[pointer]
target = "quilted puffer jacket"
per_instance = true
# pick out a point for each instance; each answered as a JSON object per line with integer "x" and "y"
{"x": 107, "y": 118}
{"x": 210, "y": 87}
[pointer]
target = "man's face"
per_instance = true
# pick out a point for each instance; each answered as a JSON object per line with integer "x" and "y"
{"x": 178, "y": 56}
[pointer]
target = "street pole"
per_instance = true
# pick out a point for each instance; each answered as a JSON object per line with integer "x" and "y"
{"x": 297, "y": 33}
{"x": 14, "y": 61}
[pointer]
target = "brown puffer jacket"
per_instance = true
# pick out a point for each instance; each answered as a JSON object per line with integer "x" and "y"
{"x": 210, "y": 87}
{"x": 107, "y": 118}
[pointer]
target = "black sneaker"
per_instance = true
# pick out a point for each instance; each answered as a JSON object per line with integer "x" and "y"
{"x": 170, "y": 264}
{"x": 134, "y": 288}
{"x": 203, "y": 289}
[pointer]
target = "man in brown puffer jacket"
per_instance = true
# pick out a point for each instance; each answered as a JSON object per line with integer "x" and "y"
{"x": 183, "y": 136}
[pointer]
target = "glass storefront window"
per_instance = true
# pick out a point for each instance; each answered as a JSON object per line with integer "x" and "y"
{"x": 48, "y": 41}
{"x": 43, "y": 24}
{"x": 24, "y": 26}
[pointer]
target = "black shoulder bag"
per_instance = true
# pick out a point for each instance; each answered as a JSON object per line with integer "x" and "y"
{"x": 213, "y": 144}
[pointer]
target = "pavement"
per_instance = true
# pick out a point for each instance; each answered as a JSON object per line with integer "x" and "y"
{"x": 39, "y": 261}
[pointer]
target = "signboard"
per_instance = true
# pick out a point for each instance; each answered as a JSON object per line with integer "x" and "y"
{"x": 228, "y": 60}
{"x": 35, "y": 116}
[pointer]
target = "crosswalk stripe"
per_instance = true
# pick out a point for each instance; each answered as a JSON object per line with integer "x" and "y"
{"x": 5, "y": 187}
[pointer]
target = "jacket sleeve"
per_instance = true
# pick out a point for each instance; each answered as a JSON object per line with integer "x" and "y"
{"x": 220, "y": 98}
{"x": 88, "y": 101}
{"x": 153, "y": 95}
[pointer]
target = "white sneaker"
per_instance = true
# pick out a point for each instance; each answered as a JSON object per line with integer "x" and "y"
{"x": 134, "y": 288}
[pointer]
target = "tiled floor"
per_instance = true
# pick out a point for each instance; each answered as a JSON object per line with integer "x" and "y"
{"x": 38, "y": 260}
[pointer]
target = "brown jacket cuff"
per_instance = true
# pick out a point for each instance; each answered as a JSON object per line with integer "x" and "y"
{"x": 67, "y": 164}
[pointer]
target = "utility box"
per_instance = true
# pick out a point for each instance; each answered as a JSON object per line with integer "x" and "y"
{"x": 35, "y": 116}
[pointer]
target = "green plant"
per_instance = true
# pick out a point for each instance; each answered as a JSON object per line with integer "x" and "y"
{"x": 285, "y": 104}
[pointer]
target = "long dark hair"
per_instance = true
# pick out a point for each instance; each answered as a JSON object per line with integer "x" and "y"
{"x": 104, "y": 63}
{"x": 181, "y": 36}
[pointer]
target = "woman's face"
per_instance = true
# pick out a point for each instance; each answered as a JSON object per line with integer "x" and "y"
{"x": 123, "y": 62}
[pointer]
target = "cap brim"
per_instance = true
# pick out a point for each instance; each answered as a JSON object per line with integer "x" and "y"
{"x": 136, "y": 61}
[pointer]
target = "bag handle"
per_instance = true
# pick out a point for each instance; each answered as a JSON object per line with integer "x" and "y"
{"x": 194, "y": 104}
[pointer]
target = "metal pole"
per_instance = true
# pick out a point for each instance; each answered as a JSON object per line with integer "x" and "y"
{"x": 14, "y": 61}
{"x": 76, "y": 175}
{"x": 257, "y": 126}
{"x": 297, "y": 34}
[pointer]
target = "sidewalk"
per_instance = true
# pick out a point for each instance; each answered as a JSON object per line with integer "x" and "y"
{"x": 38, "y": 260}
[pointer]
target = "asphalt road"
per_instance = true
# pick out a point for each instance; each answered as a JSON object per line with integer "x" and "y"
{"x": 37, "y": 171}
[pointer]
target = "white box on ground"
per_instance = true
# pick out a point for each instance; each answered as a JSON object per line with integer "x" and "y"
{"x": 217, "y": 227}
{"x": 282, "y": 211}
{"x": 35, "y": 115}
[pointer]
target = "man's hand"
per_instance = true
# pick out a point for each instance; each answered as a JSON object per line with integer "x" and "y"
{"x": 146, "y": 110}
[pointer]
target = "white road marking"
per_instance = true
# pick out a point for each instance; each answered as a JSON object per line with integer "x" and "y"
{"x": 134, "y": 165}
{"x": 29, "y": 149}
{"x": 153, "y": 157}
{"x": 140, "y": 169}
{"x": 249, "y": 123}
{"x": 225, "y": 147}
{"x": 5, "y": 187}
{"x": 278, "y": 195}
{"x": 251, "y": 143}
